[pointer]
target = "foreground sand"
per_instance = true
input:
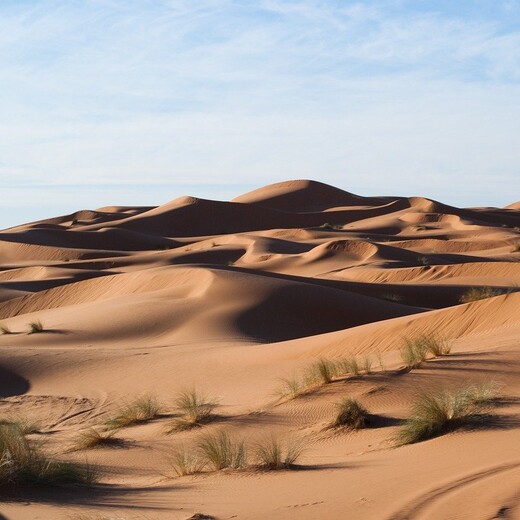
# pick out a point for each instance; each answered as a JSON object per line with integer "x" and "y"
{"x": 231, "y": 297}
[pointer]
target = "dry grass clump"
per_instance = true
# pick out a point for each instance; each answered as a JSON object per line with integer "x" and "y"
{"x": 516, "y": 247}
{"x": 186, "y": 461}
{"x": 196, "y": 410}
{"x": 271, "y": 454}
{"x": 4, "y": 329}
{"x": 35, "y": 327}
{"x": 414, "y": 352}
{"x": 351, "y": 414}
{"x": 322, "y": 371}
{"x": 22, "y": 423}
{"x": 92, "y": 438}
{"x": 142, "y": 410}
{"x": 366, "y": 365}
{"x": 436, "y": 345}
{"x": 219, "y": 451}
{"x": 434, "y": 414}
{"x": 22, "y": 463}
{"x": 478, "y": 293}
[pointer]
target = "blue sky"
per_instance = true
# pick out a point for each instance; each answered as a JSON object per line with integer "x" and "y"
{"x": 141, "y": 101}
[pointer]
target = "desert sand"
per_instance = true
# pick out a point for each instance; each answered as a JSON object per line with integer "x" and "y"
{"x": 230, "y": 298}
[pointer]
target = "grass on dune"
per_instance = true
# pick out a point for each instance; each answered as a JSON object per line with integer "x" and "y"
{"x": 351, "y": 415}
{"x": 25, "y": 425}
{"x": 142, "y": 410}
{"x": 4, "y": 329}
{"x": 92, "y": 438}
{"x": 196, "y": 409}
{"x": 414, "y": 352}
{"x": 36, "y": 327}
{"x": 219, "y": 451}
{"x": 478, "y": 293}
{"x": 271, "y": 454}
{"x": 440, "y": 412}
{"x": 23, "y": 463}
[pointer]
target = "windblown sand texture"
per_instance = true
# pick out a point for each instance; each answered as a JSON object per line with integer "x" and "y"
{"x": 230, "y": 298}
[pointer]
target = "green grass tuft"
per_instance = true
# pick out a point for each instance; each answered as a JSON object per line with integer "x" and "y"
{"x": 219, "y": 451}
{"x": 186, "y": 461}
{"x": 195, "y": 408}
{"x": 92, "y": 438}
{"x": 434, "y": 414}
{"x": 414, "y": 352}
{"x": 142, "y": 410}
{"x": 271, "y": 454}
{"x": 22, "y": 463}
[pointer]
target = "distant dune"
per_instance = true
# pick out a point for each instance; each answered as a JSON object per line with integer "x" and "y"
{"x": 231, "y": 298}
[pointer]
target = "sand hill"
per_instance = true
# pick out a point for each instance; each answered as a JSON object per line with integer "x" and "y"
{"x": 229, "y": 300}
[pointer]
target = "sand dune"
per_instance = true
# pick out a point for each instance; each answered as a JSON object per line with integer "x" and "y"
{"x": 232, "y": 297}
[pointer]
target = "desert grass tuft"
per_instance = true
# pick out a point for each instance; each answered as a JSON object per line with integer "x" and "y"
{"x": 186, "y": 461}
{"x": 436, "y": 345}
{"x": 414, "y": 352}
{"x": 322, "y": 371}
{"x": 220, "y": 451}
{"x": 516, "y": 247}
{"x": 195, "y": 408}
{"x": 351, "y": 415}
{"x": 23, "y": 463}
{"x": 92, "y": 438}
{"x": 478, "y": 293}
{"x": 141, "y": 410}
{"x": 271, "y": 454}
{"x": 434, "y": 414}
{"x": 36, "y": 327}
{"x": 366, "y": 365}
{"x": 380, "y": 361}
{"x": 25, "y": 425}
{"x": 4, "y": 329}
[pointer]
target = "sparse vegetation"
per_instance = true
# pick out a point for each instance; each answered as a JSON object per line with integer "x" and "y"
{"x": 92, "y": 438}
{"x": 22, "y": 423}
{"x": 23, "y": 463}
{"x": 4, "y": 329}
{"x": 414, "y": 352}
{"x": 186, "y": 461}
{"x": 366, "y": 365}
{"x": 351, "y": 414}
{"x": 322, "y": 371}
{"x": 35, "y": 327}
{"x": 434, "y": 414}
{"x": 271, "y": 454}
{"x": 424, "y": 260}
{"x": 380, "y": 361}
{"x": 219, "y": 451}
{"x": 196, "y": 410}
{"x": 516, "y": 247}
{"x": 436, "y": 345}
{"x": 478, "y": 293}
{"x": 142, "y": 410}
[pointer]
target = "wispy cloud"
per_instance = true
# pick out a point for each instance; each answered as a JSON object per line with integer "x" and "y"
{"x": 368, "y": 95}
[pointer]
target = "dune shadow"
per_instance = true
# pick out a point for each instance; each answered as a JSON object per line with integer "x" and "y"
{"x": 12, "y": 384}
{"x": 106, "y": 495}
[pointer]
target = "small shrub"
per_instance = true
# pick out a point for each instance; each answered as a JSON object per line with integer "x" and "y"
{"x": 142, "y": 410}
{"x": 36, "y": 327}
{"x": 351, "y": 414}
{"x": 221, "y": 452}
{"x": 186, "y": 461}
{"x": 424, "y": 260}
{"x": 291, "y": 388}
{"x": 349, "y": 366}
{"x": 414, "y": 352}
{"x": 440, "y": 412}
{"x": 271, "y": 454}
{"x": 22, "y": 463}
{"x": 195, "y": 408}
{"x": 92, "y": 438}
{"x": 516, "y": 247}
{"x": 478, "y": 293}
